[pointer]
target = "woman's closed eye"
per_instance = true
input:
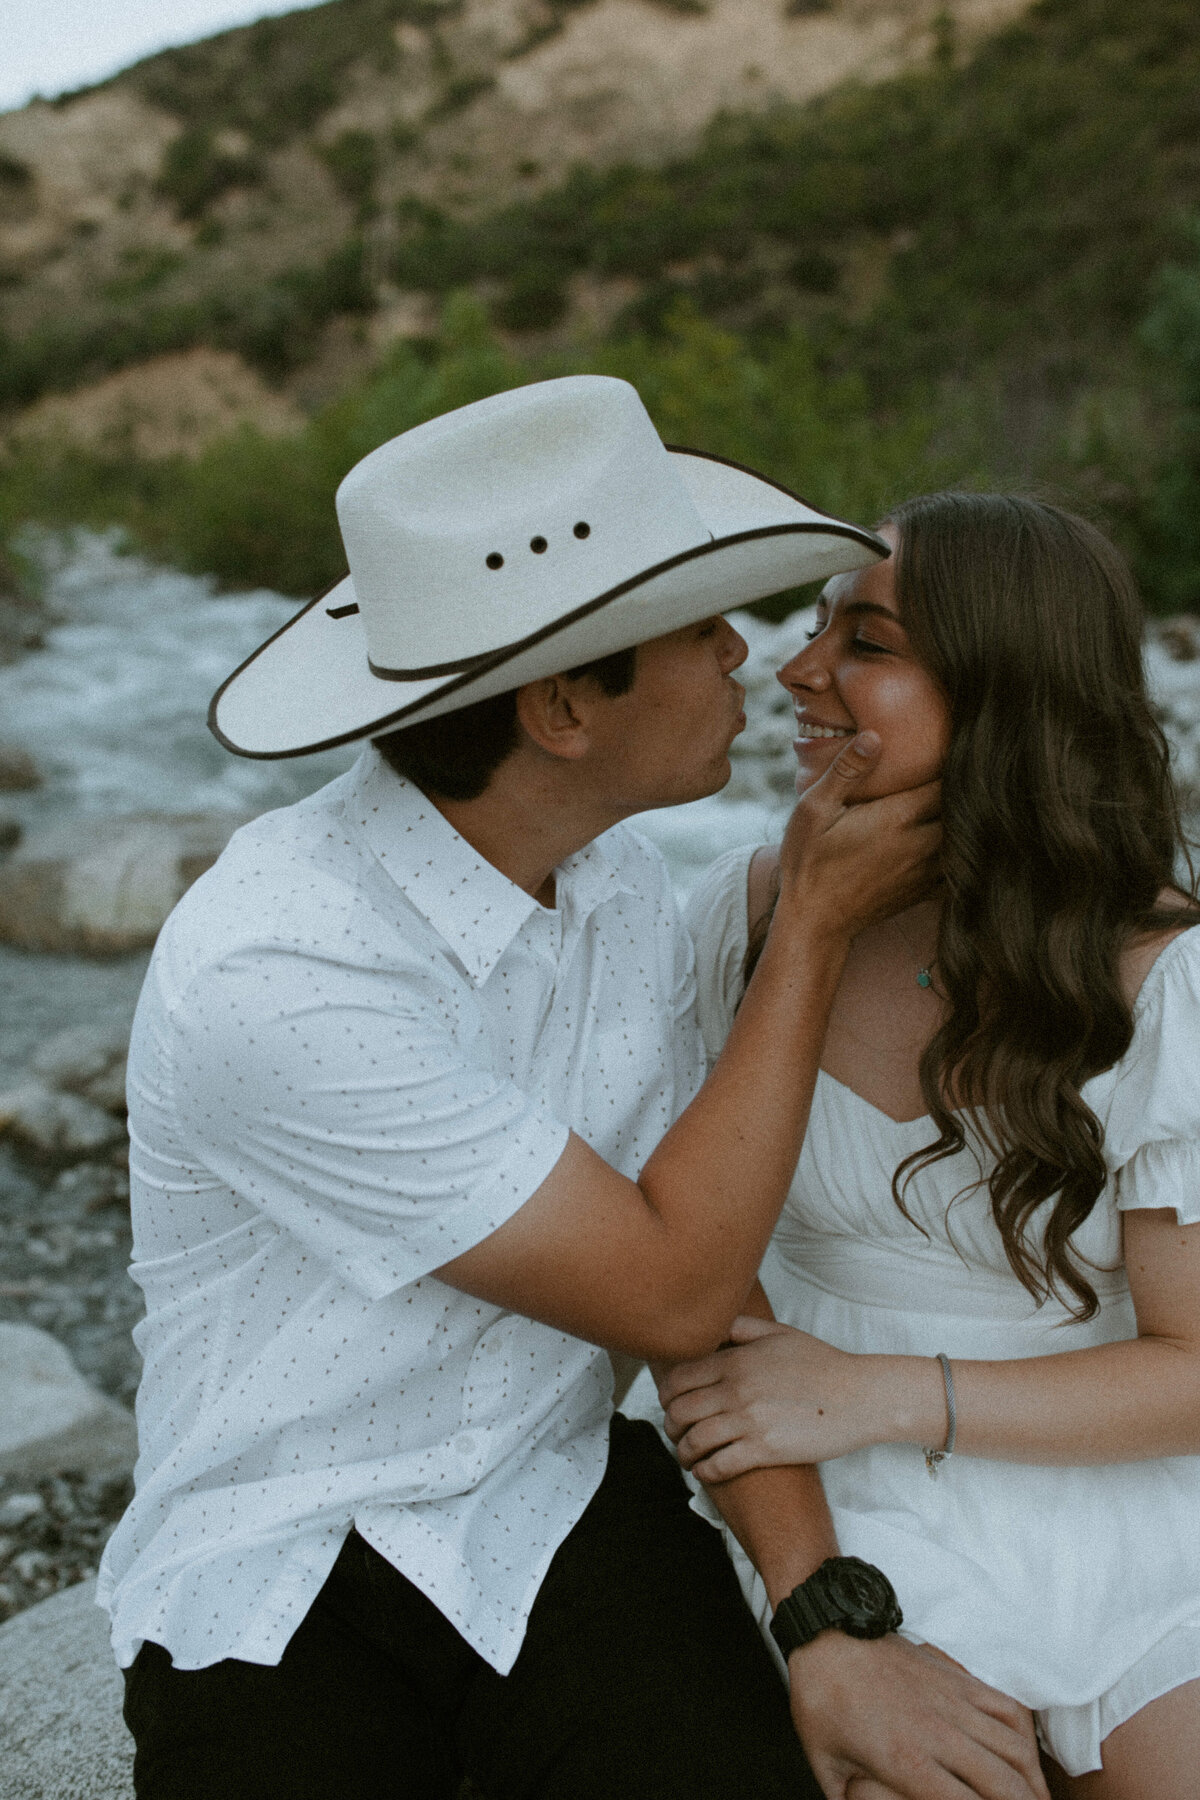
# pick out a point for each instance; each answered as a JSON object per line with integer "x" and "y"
{"x": 864, "y": 644}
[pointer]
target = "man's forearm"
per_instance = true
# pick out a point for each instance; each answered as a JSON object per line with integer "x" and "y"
{"x": 779, "y": 1516}
{"x": 719, "y": 1177}
{"x": 781, "y": 1520}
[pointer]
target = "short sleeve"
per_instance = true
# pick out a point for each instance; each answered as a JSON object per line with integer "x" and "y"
{"x": 360, "y": 1120}
{"x": 716, "y": 918}
{"x": 1153, "y": 1130}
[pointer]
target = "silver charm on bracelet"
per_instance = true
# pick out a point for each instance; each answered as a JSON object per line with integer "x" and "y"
{"x": 933, "y": 1458}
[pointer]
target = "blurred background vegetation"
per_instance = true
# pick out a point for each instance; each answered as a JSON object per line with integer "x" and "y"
{"x": 984, "y": 271}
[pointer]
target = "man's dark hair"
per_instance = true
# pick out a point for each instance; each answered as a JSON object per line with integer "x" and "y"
{"x": 454, "y": 756}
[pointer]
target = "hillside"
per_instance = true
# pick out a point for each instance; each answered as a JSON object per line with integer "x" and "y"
{"x": 972, "y": 258}
{"x": 253, "y": 192}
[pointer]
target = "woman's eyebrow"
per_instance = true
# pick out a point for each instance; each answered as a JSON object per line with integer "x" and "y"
{"x": 869, "y": 606}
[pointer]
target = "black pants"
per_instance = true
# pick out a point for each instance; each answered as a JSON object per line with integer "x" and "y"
{"x": 642, "y": 1674}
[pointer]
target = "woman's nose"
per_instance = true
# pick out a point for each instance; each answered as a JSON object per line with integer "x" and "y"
{"x": 805, "y": 670}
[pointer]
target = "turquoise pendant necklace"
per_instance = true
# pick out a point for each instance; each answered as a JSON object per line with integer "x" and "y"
{"x": 925, "y": 972}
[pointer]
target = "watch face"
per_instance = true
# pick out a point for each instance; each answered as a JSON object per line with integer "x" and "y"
{"x": 863, "y": 1597}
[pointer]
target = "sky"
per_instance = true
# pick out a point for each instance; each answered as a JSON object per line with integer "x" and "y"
{"x": 50, "y": 46}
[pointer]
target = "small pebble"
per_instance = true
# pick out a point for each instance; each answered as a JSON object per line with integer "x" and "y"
{"x": 30, "y": 1564}
{"x": 18, "y": 1509}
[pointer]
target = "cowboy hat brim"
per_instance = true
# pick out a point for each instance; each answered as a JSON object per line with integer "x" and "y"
{"x": 311, "y": 686}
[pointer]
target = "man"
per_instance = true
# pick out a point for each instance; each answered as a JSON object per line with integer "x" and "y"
{"x": 415, "y": 1127}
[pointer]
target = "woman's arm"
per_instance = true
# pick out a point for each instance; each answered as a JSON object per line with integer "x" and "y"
{"x": 887, "y": 1709}
{"x": 781, "y": 1396}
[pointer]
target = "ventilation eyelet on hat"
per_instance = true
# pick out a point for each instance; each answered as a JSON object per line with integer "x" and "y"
{"x": 495, "y": 560}
{"x": 583, "y": 529}
{"x": 537, "y": 545}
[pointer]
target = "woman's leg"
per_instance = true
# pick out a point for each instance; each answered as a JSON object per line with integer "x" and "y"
{"x": 1154, "y": 1755}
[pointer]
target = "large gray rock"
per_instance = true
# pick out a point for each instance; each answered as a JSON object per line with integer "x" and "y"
{"x": 101, "y": 886}
{"x": 61, "y": 1732}
{"x": 18, "y": 771}
{"x": 51, "y": 1419}
{"x": 88, "y": 1060}
{"x": 64, "y": 1127}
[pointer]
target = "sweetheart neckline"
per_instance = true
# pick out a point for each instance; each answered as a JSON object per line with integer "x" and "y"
{"x": 917, "y": 1118}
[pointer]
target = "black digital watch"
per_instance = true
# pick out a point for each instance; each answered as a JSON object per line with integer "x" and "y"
{"x": 844, "y": 1594}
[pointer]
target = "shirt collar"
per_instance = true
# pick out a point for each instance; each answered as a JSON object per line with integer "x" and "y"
{"x": 475, "y": 909}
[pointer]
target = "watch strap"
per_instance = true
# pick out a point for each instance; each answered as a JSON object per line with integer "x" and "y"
{"x": 798, "y": 1619}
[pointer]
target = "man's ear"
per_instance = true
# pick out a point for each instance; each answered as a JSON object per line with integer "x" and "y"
{"x": 555, "y": 714}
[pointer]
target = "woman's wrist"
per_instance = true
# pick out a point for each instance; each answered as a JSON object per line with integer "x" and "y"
{"x": 909, "y": 1400}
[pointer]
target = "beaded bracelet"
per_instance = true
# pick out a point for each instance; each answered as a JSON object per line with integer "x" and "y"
{"x": 934, "y": 1457}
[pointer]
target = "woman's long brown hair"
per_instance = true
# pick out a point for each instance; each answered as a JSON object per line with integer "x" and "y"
{"x": 1060, "y": 829}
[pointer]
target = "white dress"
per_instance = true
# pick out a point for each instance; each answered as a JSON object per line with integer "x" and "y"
{"x": 1075, "y": 1590}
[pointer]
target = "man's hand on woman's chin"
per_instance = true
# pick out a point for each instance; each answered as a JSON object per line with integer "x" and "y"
{"x": 883, "y": 1719}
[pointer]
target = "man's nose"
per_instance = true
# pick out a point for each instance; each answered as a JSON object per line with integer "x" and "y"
{"x": 734, "y": 650}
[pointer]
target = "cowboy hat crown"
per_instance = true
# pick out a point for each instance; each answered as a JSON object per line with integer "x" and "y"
{"x": 491, "y": 522}
{"x": 511, "y": 539}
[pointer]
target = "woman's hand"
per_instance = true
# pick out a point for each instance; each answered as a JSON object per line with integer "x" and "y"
{"x": 777, "y": 1396}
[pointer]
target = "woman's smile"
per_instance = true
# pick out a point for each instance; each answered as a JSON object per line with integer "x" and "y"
{"x": 808, "y": 729}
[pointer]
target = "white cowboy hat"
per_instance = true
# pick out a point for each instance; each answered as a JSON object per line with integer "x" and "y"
{"x": 512, "y": 539}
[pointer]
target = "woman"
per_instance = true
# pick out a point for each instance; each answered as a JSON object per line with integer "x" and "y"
{"x": 1003, "y": 1156}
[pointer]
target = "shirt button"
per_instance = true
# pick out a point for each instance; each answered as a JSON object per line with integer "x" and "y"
{"x": 464, "y": 1444}
{"x": 494, "y": 1347}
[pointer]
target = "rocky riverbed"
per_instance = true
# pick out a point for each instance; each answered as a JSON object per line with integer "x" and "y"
{"x": 103, "y": 709}
{"x": 68, "y": 1367}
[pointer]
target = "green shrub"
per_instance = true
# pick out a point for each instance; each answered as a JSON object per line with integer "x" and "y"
{"x": 195, "y": 172}
{"x": 56, "y": 483}
{"x": 353, "y": 160}
{"x": 534, "y": 301}
{"x": 459, "y": 91}
{"x": 142, "y": 268}
{"x": 16, "y": 177}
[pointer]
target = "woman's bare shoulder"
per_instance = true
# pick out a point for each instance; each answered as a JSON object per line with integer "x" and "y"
{"x": 1145, "y": 947}
{"x": 762, "y": 884}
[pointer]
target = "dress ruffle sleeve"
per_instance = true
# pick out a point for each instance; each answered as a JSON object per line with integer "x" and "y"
{"x": 716, "y": 918}
{"x": 1152, "y": 1134}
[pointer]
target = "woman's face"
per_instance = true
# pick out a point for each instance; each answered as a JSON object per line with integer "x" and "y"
{"x": 858, "y": 672}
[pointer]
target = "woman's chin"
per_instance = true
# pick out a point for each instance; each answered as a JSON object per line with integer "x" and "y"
{"x": 817, "y": 755}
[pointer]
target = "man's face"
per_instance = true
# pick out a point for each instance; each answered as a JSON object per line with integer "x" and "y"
{"x": 667, "y": 740}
